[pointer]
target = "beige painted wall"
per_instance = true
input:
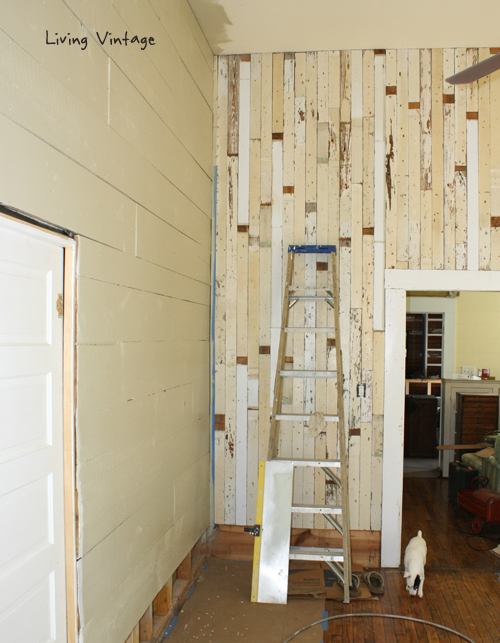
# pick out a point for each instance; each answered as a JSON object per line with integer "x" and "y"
{"x": 477, "y": 332}
{"x": 115, "y": 144}
{"x": 372, "y": 151}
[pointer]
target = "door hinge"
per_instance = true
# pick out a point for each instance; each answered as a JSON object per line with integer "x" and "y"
{"x": 60, "y": 305}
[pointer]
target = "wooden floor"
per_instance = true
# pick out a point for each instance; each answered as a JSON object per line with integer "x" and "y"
{"x": 461, "y": 591}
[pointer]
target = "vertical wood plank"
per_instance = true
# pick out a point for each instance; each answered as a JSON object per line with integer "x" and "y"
{"x": 278, "y": 60}
{"x": 379, "y": 193}
{"x": 266, "y": 128}
{"x": 414, "y": 159}
{"x": 185, "y": 568}
{"x": 311, "y": 131}
{"x": 460, "y": 164}
{"x": 437, "y": 161}
{"x": 391, "y": 160}
{"x": 449, "y": 166}
{"x": 276, "y": 254}
{"x": 162, "y": 604}
{"x": 255, "y": 91}
{"x": 220, "y": 280}
{"x": 233, "y": 105}
{"x": 425, "y": 159}
{"x": 495, "y": 166}
{"x": 484, "y": 178}
{"x": 402, "y": 155}
{"x": 146, "y": 626}
{"x": 252, "y": 464}
{"x": 376, "y": 473}
{"x": 334, "y": 160}
{"x": 367, "y": 304}
{"x": 345, "y": 164}
{"x": 241, "y": 446}
{"x": 244, "y": 143}
{"x": 357, "y": 116}
{"x": 231, "y": 342}
{"x": 368, "y": 136}
{"x": 365, "y": 473}
{"x": 472, "y": 195}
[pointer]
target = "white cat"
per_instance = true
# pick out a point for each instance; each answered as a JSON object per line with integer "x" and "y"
{"x": 415, "y": 556}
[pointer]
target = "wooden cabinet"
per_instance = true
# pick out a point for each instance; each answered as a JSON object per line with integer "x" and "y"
{"x": 450, "y": 389}
{"x": 477, "y": 415}
{"x": 421, "y": 426}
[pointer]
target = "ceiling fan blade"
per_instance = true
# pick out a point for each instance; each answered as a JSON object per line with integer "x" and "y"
{"x": 475, "y": 72}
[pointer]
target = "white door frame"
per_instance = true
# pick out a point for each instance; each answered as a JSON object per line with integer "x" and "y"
{"x": 397, "y": 282}
{"x": 69, "y": 247}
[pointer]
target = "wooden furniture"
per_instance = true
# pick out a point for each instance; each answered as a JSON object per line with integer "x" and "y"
{"x": 421, "y": 426}
{"x": 423, "y": 387}
{"x": 424, "y": 345}
{"x": 449, "y": 389}
{"x": 477, "y": 415}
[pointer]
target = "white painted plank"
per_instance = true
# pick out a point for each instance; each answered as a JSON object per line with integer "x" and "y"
{"x": 379, "y": 179}
{"x": 244, "y": 144}
{"x": 472, "y": 195}
{"x": 241, "y": 443}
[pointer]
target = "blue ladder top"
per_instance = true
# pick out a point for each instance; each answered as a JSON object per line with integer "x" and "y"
{"x": 313, "y": 249}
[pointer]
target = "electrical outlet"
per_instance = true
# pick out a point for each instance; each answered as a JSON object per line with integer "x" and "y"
{"x": 361, "y": 390}
{"x": 469, "y": 370}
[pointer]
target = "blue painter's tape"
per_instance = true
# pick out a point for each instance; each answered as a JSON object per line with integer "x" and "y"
{"x": 170, "y": 628}
{"x": 324, "y": 625}
{"x": 205, "y": 566}
{"x": 190, "y": 592}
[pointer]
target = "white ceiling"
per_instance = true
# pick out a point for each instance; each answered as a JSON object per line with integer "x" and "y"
{"x": 248, "y": 26}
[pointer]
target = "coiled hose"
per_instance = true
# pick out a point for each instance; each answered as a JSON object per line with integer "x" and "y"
{"x": 404, "y": 618}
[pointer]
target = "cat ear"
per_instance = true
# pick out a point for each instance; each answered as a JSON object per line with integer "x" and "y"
{"x": 406, "y": 574}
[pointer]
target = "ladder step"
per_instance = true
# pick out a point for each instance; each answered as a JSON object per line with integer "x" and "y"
{"x": 304, "y": 417}
{"x": 314, "y": 374}
{"x": 310, "y": 298}
{"x": 307, "y": 462}
{"x": 316, "y": 553}
{"x": 316, "y": 509}
{"x": 292, "y": 289}
{"x": 310, "y": 329}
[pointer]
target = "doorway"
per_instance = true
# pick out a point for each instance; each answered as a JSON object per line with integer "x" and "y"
{"x": 397, "y": 283}
{"x": 37, "y": 552}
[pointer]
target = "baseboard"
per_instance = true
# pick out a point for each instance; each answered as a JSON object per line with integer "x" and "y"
{"x": 233, "y": 543}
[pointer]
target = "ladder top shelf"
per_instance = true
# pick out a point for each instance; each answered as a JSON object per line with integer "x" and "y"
{"x": 312, "y": 249}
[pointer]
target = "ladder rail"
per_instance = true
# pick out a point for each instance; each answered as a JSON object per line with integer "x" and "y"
{"x": 273, "y": 447}
{"x": 346, "y": 535}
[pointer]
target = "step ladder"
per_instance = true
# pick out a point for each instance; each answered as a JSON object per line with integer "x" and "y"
{"x": 275, "y": 506}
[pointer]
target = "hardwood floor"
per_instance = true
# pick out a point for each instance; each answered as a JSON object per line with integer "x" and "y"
{"x": 461, "y": 591}
{"x": 426, "y": 507}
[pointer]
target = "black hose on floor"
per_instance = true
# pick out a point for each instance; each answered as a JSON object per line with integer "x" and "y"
{"x": 404, "y": 618}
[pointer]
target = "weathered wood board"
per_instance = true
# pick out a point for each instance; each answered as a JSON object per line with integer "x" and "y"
{"x": 373, "y": 151}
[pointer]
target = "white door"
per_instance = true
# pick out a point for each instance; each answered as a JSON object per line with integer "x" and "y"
{"x": 32, "y": 561}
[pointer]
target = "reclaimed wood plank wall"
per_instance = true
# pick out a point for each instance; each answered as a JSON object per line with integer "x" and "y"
{"x": 371, "y": 151}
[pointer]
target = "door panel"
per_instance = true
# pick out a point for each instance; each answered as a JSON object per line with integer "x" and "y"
{"x": 32, "y": 570}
